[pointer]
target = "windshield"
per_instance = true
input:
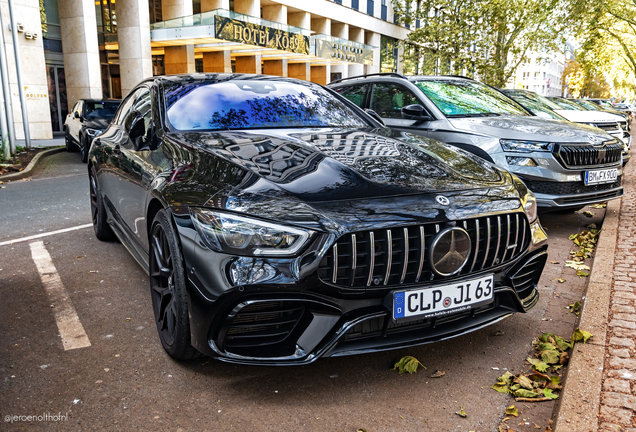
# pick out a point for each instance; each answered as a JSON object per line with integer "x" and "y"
{"x": 588, "y": 105}
{"x": 256, "y": 104}
{"x": 468, "y": 98}
{"x": 568, "y": 105}
{"x": 101, "y": 109}
{"x": 536, "y": 108}
{"x": 520, "y": 95}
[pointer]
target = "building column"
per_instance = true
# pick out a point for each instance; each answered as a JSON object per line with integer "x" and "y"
{"x": 373, "y": 39}
{"x": 356, "y": 34}
{"x": 248, "y": 64}
{"x": 178, "y": 59}
{"x": 299, "y": 70}
{"x": 33, "y": 68}
{"x": 340, "y": 30}
{"x": 133, "y": 31}
{"x": 81, "y": 51}
{"x": 218, "y": 61}
{"x": 321, "y": 74}
{"x": 276, "y": 13}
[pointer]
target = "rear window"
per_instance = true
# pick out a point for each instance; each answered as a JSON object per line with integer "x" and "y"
{"x": 256, "y": 104}
{"x": 101, "y": 109}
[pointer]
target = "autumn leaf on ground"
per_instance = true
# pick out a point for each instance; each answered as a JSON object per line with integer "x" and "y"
{"x": 548, "y": 393}
{"x": 437, "y": 374}
{"x": 576, "y": 265}
{"x": 575, "y": 308}
{"x": 512, "y": 410}
{"x": 589, "y": 213}
{"x": 559, "y": 280}
{"x": 554, "y": 262}
{"x": 599, "y": 206}
{"x": 461, "y": 412}
{"x": 525, "y": 393}
{"x": 407, "y": 364}
{"x": 581, "y": 273}
{"x": 581, "y": 335}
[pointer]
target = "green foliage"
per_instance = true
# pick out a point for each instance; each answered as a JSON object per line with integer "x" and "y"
{"x": 407, "y": 364}
{"x": 488, "y": 39}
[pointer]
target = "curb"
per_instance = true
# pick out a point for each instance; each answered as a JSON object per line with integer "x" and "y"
{"x": 580, "y": 400}
{"x": 29, "y": 169}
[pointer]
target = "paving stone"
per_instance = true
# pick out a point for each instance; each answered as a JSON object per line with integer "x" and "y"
{"x": 617, "y": 363}
{"x": 625, "y": 295}
{"x": 620, "y": 352}
{"x": 625, "y": 317}
{"x": 628, "y": 342}
{"x": 617, "y": 385}
{"x": 619, "y": 400}
{"x": 621, "y": 323}
{"x": 623, "y": 308}
{"x": 623, "y": 301}
{"x": 614, "y": 414}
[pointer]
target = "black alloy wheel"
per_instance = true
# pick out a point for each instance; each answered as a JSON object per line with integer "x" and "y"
{"x": 168, "y": 291}
{"x": 98, "y": 211}
{"x": 84, "y": 145}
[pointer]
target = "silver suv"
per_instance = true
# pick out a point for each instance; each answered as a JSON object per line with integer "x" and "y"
{"x": 566, "y": 165}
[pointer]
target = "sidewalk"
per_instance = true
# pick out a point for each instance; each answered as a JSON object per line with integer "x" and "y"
{"x": 600, "y": 388}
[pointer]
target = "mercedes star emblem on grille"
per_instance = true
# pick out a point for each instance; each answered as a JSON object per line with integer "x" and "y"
{"x": 450, "y": 251}
{"x": 593, "y": 138}
{"x": 442, "y": 200}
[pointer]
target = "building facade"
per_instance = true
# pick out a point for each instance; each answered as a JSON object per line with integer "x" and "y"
{"x": 74, "y": 49}
{"x": 543, "y": 73}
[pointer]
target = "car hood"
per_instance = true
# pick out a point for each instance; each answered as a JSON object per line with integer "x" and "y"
{"x": 590, "y": 116}
{"x": 529, "y": 129}
{"x": 330, "y": 179}
{"x": 99, "y": 123}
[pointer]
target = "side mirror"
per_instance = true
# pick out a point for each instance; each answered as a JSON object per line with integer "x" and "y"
{"x": 75, "y": 114}
{"x": 415, "y": 112}
{"x": 375, "y": 116}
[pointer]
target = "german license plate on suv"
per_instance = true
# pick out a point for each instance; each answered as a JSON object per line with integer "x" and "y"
{"x": 444, "y": 299}
{"x": 601, "y": 176}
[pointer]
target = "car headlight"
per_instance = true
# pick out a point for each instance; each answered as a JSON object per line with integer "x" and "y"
{"x": 239, "y": 235}
{"x": 93, "y": 132}
{"x": 528, "y": 199}
{"x": 525, "y": 146}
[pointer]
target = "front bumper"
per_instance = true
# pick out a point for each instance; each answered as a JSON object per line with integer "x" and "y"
{"x": 297, "y": 323}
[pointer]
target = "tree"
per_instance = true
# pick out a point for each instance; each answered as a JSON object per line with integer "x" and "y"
{"x": 488, "y": 39}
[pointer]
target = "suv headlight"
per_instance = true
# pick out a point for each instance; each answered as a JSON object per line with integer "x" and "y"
{"x": 525, "y": 146}
{"x": 528, "y": 199}
{"x": 93, "y": 132}
{"x": 239, "y": 235}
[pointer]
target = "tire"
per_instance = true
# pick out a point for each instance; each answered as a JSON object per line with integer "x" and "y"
{"x": 70, "y": 147}
{"x": 168, "y": 289}
{"x": 84, "y": 149}
{"x": 98, "y": 211}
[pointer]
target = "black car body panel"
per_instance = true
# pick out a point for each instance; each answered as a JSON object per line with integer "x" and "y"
{"x": 373, "y": 200}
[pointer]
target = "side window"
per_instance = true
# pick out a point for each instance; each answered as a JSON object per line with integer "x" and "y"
{"x": 78, "y": 108}
{"x": 389, "y": 99}
{"x": 355, "y": 94}
{"x": 124, "y": 109}
{"x": 143, "y": 106}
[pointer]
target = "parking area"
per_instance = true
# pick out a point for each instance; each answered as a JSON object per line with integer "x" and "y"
{"x": 116, "y": 375}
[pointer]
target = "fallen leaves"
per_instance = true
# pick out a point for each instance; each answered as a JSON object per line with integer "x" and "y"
{"x": 599, "y": 206}
{"x": 538, "y": 385}
{"x": 575, "y": 308}
{"x": 589, "y": 213}
{"x": 581, "y": 335}
{"x": 560, "y": 280}
{"x": 407, "y": 364}
{"x": 437, "y": 374}
{"x": 461, "y": 412}
{"x": 512, "y": 411}
{"x": 576, "y": 265}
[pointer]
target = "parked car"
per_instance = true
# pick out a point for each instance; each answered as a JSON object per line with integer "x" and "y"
{"x": 279, "y": 223}
{"x": 591, "y": 106}
{"x": 566, "y": 165}
{"x": 87, "y": 119}
{"x": 601, "y": 119}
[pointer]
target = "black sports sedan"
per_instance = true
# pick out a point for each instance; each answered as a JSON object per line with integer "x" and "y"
{"x": 87, "y": 119}
{"x": 279, "y": 223}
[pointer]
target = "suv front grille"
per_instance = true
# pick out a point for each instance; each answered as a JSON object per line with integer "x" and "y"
{"x": 399, "y": 256}
{"x": 583, "y": 155}
{"x": 607, "y": 126}
{"x": 568, "y": 188}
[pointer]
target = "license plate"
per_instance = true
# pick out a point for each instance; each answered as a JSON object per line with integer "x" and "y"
{"x": 442, "y": 300}
{"x": 601, "y": 176}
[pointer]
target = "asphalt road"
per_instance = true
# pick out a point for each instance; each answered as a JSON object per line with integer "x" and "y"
{"x": 124, "y": 380}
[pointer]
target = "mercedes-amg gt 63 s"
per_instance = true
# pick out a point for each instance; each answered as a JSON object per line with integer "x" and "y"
{"x": 280, "y": 223}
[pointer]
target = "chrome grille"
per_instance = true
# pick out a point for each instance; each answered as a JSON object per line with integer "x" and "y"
{"x": 583, "y": 155}
{"x": 399, "y": 256}
{"x": 607, "y": 126}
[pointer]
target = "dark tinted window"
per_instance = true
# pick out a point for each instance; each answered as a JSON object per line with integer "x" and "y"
{"x": 355, "y": 94}
{"x": 124, "y": 109}
{"x": 101, "y": 109}
{"x": 459, "y": 98}
{"x": 389, "y": 99}
{"x": 255, "y": 104}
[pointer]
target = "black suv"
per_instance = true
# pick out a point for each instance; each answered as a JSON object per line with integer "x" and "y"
{"x": 87, "y": 119}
